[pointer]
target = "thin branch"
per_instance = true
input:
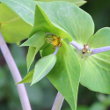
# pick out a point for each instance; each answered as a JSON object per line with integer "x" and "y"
{"x": 76, "y": 45}
{"x": 59, "y": 98}
{"x": 58, "y": 102}
{"x": 101, "y": 49}
{"x": 56, "y": 50}
{"x": 15, "y": 74}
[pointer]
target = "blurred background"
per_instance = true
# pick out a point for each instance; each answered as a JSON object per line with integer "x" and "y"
{"x": 42, "y": 94}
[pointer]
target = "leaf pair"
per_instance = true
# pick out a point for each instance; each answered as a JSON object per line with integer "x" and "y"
{"x": 19, "y": 16}
{"x": 35, "y": 43}
{"x": 41, "y": 69}
{"x": 44, "y": 65}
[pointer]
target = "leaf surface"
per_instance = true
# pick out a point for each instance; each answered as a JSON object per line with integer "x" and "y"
{"x": 36, "y": 40}
{"x": 43, "y": 67}
{"x": 27, "y": 78}
{"x": 32, "y": 51}
{"x": 95, "y": 73}
{"x": 95, "y": 76}
{"x": 23, "y": 9}
{"x": 101, "y": 38}
{"x": 12, "y": 27}
{"x": 77, "y": 2}
{"x": 76, "y": 22}
{"x": 35, "y": 43}
{"x": 66, "y": 73}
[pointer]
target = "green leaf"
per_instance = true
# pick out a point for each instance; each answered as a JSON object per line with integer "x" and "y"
{"x": 24, "y": 8}
{"x": 43, "y": 67}
{"x": 37, "y": 40}
{"x": 66, "y": 73}
{"x": 98, "y": 106}
{"x": 27, "y": 78}
{"x": 95, "y": 76}
{"x": 12, "y": 27}
{"x": 75, "y": 22}
{"x": 35, "y": 43}
{"x": 95, "y": 72}
{"x": 77, "y": 2}
{"x": 10, "y": 19}
{"x": 80, "y": 2}
{"x": 43, "y": 23}
{"x": 101, "y": 38}
{"x": 32, "y": 51}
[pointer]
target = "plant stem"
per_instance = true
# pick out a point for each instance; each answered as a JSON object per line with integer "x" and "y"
{"x": 15, "y": 74}
{"x": 56, "y": 50}
{"x": 99, "y": 50}
{"x": 76, "y": 45}
{"x": 59, "y": 98}
{"x": 58, "y": 102}
{"x": 93, "y": 51}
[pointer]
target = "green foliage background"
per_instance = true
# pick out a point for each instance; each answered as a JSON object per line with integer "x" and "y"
{"x": 42, "y": 94}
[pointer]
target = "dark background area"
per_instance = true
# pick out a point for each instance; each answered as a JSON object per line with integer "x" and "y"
{"x": 42, "y": 94}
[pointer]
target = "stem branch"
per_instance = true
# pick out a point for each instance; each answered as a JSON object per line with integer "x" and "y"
{"x": 58, "y": 102}
{"x": 76, "y": 45}
{"x": 15, "y": 74}
{"x": 99, "y": 50}
{"x": 56, "y": 50}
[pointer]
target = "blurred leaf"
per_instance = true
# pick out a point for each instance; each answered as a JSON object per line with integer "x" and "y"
{"x": 18, "y": 54}
{"x": 77, "y": 2}
{"x": 98, "y": 106}
{"x": 10, "y": 19}
{"x": 43, "y": 67}
{"x": 27, "y": 78}
{"x": 2, "y": 77}
{"x": 104, "y": 99}
{"x": 83, "y": 108}
{"x": 36, "y": 95}
{"x": 23, "y": 8}
{"x": 80, "y": 2}
{"x": 19, "y": 57}
{"x": 12, "y": 27}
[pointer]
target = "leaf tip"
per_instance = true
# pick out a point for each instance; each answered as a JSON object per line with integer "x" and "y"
{"x": 20, "y": 82}
{"x": 32, "y": 83}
